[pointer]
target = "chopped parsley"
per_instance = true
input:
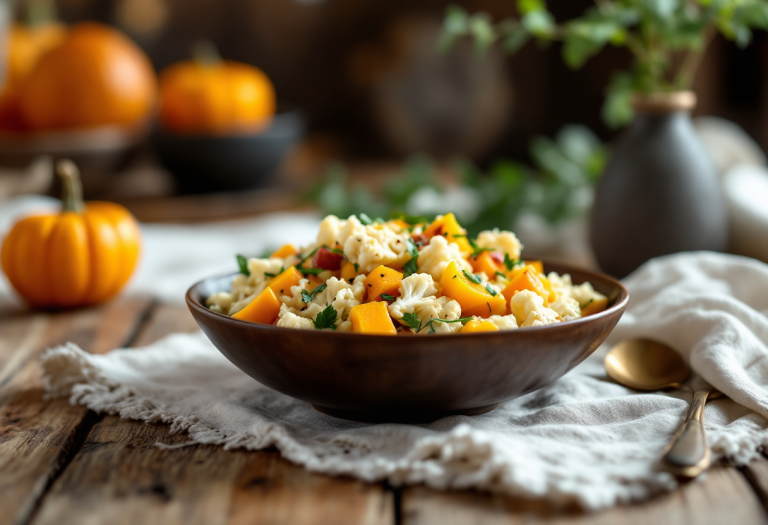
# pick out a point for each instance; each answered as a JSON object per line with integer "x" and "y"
{"x": 476, "y": 250}
{"x": 242, "y": 263}
{"x": 387, "y": 297}
{"x": 509, "y": 263}
{"x": 412, "y": 320}
{"x": 462, "y": 320}
{"x": 313, "y": 252}
{"x": 491, "y": 291}
{"x": 499, "y": 274}
{"x": 582, "y": 306}
{"x": 326, "y": 318}
{"x": 365, "y": 220}
{"x": 306, "y": 297}
{"x": 411, "y": 267}
{"x": 357, "y": 267}
{"x": 333, "y": 250}
{"x": 472, "y": 277}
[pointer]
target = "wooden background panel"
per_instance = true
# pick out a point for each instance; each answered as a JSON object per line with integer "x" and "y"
{"x": 121, "y": 476}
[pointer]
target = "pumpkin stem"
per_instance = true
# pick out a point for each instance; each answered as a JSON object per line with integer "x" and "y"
{"x": 205, "y": 53}
{"x": 72, "y": 194}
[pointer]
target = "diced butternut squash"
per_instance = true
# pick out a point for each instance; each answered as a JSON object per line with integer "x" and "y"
{"x": 548, "y": 287}
{"x": 282, "y": 284}
{"x": 348, "y": 272}
{"x": 382, "y": 280}
{"x": 449, "y": 227}
{"x": 371, "y": 318}
{"x": 477, "y": 325}
{"x": 467, "y": 293}
{"x": 493, "y": 306}
{"x": 314, "y": 282}
{"x": 538, "y": 265}
{"x": 485, "y": 263}
{"x": 595, "y": 306}
{"x": 398, "y": 224}
{"x": 262, "y": 310}
{"x": 285, "y": 250}
{"x": 529, "y": 279}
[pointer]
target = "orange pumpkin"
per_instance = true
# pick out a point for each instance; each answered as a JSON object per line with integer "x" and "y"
{"x": 25, "y": 44}
{"x": 210, "y": 96}
{"x": 96, "y": 77}
{"x": 82, "y": 256}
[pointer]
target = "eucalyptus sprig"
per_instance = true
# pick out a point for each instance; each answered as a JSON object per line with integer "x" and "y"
{"x": 667, "y": 38}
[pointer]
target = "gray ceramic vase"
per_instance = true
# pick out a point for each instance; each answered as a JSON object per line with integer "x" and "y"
{"x": 660, "y": 193}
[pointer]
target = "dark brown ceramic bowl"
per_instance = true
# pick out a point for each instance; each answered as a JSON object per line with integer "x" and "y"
{"x": 408, "y": 378}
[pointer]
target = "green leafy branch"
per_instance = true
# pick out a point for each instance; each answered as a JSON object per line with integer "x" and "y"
{"x": 667, "y": 38}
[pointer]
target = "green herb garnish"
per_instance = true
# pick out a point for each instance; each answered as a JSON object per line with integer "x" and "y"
{"x": 411, "y": 266}
{"x": 476, "y": 250}
{"x": 387, "y": 297}
{"x": 509, "y": 263}
{"x": 326, "y": 318}
{"x": 242, "y": 263}
{"x": 313, "y": 252}
{"x": 306, "y": 297}
{"x": 412, "y": 320}
{"x": 472, "y": 277}
{"x": 333, "y": 250}
{"x": 312, "y": 271}
{"x": 462, "y": 320}
{"x": 491, "y": 291}
{"x": 357, "y": 267}
{"x": 499, "y": 274}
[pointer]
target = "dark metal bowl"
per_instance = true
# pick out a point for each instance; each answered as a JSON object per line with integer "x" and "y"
{"x": 211, "y": 163}
{"x": 408, "y": 378}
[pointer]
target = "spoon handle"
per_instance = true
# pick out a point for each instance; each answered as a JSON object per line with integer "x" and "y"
{"x": 688, "y": 453}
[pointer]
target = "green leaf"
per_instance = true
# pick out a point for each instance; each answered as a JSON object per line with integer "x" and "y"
{"x": 491, "y": 291}
{"x": 311, "y": 271}
{"x": 499, "y": 274}
{"x": 455, "y": 21}
{"x": 307, "y": 297}
{"x": 530, "y": 6}
{"x": 472, "y": 277}
{"x": 326, "y": 319}
{"x": 577, "y": 50}
{"x": 412, "y": 320}
{"x": 617, "y": 109}
{"x": 387, "y": 297}
{"x": 662, "y": 9}
{"x": 364, "y": 219}
{"x": 509, "y": 263}
{"x": 512, "y": 34}
{"x": 242, "y": 263}
{"x": 411, "y": 267}
{"x": 539, "y": 23}
{"x": 482, "y": 30}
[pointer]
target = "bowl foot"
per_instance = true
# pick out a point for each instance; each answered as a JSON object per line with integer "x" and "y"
{"x": 394, "y": 416}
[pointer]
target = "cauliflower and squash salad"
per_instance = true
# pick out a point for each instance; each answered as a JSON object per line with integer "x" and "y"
{"x": 401, "y": 277}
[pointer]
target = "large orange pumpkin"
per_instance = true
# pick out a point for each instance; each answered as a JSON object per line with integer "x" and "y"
{"x": 25, "y": 45}
{"x": 96, "y": 77}
{"x": 211, "y": 96}
{"x": 82, "y": 256}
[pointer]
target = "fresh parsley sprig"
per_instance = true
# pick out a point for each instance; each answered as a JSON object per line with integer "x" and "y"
{"x": 387, "y": 297}
{"x": 411, "y": 266}
{"x": 242, "y": 263}
{"x": 306, "y": 297}
{"x": 472, "y": 277}
{"x": 509, "y": 263}
{"x": 476, "y": 250}
{"x": 326, "y": 319}
{"x": 491, "y": 291}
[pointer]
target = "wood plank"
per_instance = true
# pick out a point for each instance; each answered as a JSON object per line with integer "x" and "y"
{"x": 120, "y": 476}
{"x": 723, "y": 497}
{"x": 38, "y": 436}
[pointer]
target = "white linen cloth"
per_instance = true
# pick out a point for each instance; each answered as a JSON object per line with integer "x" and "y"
{"x": 581, "y": 439}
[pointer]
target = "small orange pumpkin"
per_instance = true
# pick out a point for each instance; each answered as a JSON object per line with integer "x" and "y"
{"x": 96, "y": 77}
{"x": 82, "y": 256}
{"x": 211, "y": 96}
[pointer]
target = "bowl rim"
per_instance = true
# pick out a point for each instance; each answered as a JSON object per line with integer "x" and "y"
{"x": 617, "y": 307}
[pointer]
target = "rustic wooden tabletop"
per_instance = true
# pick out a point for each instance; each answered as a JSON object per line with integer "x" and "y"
{"x": 62, "y": 464}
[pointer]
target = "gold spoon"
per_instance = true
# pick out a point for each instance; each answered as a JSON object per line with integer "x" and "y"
{"x": 648, "y": 365}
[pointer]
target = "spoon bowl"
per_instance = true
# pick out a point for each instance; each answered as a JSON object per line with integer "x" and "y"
{"x": 645, "y": 365}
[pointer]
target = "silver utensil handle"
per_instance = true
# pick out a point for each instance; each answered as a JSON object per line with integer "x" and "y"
{"x": 688, "y": 453}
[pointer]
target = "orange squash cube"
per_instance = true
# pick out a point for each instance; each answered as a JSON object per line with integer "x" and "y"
{"x": 284, "y": 251}
{"x": 538, "y": 265}
{"x": 493, "y": 306}
{"x": 348, "y": 272}
{"x": 595, "y": 306}
{"x": 382, "y": 280}
{"x": 477, "y": 325}
{"x": 467, "y": 293}
{"x": 371, "y": 318}
{"x": 262, "y": 310}
{"x": 314, "y": 282}
{"x": 484, "y": 263}
{"x": 528, "y": 279}
{"x": 282, "y": 284}
{"x": 449, "y": 227}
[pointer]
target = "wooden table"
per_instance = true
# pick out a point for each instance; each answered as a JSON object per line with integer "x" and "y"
{"x": 63, "y": 464}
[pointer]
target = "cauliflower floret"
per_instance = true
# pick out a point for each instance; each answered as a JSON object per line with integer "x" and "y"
{"x": 501, "y": 240}
{"x": 417, "y": 295}
{"x": 529, "y": 310}
{"x": 503, "y": 322}
{"x": 342, "y": 295}
{"x": 330, "y": 227}
{"x": 258, "y": 267}
{"x": 566, "y": 307}
{"x": 288, "y": 319}
{"x": 438, "y": 254}
{"x": 220, "y": 302}
{"x": 369, "y": 246}
{"x": 583, "y": 294}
